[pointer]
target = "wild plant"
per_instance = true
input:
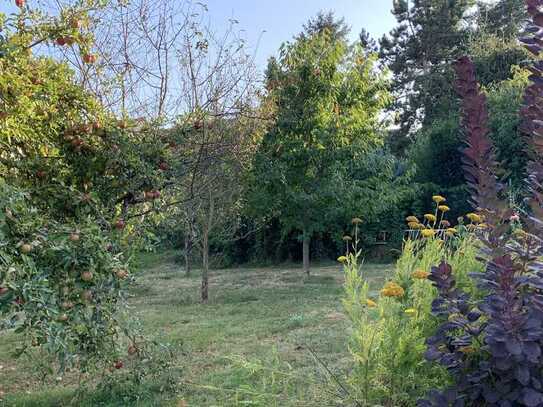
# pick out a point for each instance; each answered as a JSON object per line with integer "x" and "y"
{"x": 390, "y": 325}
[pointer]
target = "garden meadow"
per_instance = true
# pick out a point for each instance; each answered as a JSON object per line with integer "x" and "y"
{"x": 358, "y": 224}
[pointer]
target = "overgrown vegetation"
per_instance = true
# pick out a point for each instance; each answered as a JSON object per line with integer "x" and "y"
{"x": 391, "y": 325}
{"x": 136, "y": 127}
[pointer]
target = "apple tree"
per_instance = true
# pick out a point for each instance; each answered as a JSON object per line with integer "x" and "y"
{"x": 71, "y": 177}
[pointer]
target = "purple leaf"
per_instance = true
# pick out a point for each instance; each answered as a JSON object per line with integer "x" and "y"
{"x": 532, "y": 398}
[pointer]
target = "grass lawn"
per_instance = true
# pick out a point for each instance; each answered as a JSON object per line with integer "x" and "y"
{"x": 262, "y": 340}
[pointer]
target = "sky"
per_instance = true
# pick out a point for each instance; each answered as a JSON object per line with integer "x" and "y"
{"x": 269, "y": 23}
{"x": 266, "y": 24}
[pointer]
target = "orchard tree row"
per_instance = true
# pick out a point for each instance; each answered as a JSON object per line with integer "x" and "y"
{"x": 83, "y": 179}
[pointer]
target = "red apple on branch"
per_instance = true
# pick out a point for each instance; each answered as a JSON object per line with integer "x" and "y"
{"x": 89, "y": 58}
{"x": 121, "y": 274}
{"x": 120, "y": 225}
{"x": 87, "y": 276}
{"x": 76, "y": 23}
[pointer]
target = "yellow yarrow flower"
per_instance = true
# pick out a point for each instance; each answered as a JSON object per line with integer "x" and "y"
{"x": 413, "y": 225}
{"x": 356, "y": 221}
{"x": 371, "y": 303}
{"x": 412, "y": 219}
{"x": 445, "y": 223}
{"x": 342, "y": 259}
{"x": 430, "y": 217}
{"x": 420, "y": 274}
{"x": 410, "y": 312}
{"x": 474, "y": 217}
{"x": 443, "y": 208}
{"x": 438, "y": 199}
{"x": 428, "y": 232}
{"x": 450, "y": 232}
{"x": 392, "y": 289}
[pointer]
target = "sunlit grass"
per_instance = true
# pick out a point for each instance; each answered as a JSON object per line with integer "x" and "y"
{"x": 251, "y": 344}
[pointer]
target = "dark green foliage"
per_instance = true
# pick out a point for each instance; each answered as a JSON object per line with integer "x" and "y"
{"x": 504, "y": 101}
{"x": 326, "y": 22}
{"x": 381, "y": 196}
{"x": 503, "y": 18}
{"x": 429, "y": 33}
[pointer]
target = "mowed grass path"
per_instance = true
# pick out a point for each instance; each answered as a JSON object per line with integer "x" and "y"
{"x": 263, "y": 339}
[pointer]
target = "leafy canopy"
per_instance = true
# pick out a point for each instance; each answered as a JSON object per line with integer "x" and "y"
{"x": 327, "y": 98}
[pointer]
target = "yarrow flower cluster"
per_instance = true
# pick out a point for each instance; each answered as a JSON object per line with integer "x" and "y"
{"x": 428, "y": 232}
{"x": 420, "y": 274}
{"x": 474, "y": 217}
{"x": 392, "y": 289}
{"x": 435, "y": 226}
{"x": 371, "y": 303}
{"x": 433, "y": 222}
{"x": 429, "y": 217}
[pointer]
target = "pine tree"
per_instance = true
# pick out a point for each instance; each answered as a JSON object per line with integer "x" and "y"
{"x": 429, "y": 34}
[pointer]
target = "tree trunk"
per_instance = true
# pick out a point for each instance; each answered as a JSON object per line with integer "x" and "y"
{"x": 188, "y": 250}
{"x": 305, "y": 252}
{"x": 205, "y": 266}
{"x": 206, "y": 229}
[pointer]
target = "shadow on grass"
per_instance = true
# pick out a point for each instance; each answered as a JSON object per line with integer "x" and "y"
{"x": 148, "y": 395}
{"x": 129, "y": 388}
{"x": 328, "y": 280}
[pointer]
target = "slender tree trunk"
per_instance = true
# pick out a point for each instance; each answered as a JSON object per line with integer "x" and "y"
{"x": 208, "y": 225}
{"x": 188, "y": 250}
{"x": 205, "y": 265}
{"x": 305, "y": 252}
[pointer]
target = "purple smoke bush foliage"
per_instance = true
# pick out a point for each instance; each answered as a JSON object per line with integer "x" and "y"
{"x": 493, "y": 347}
